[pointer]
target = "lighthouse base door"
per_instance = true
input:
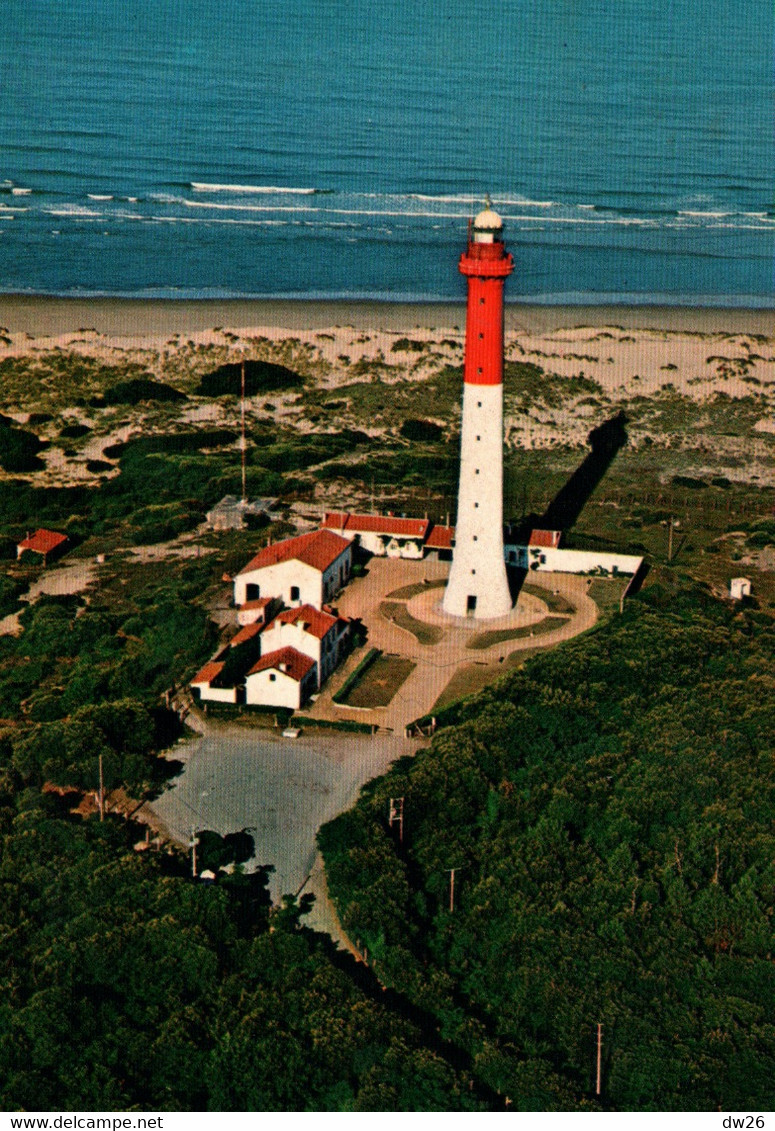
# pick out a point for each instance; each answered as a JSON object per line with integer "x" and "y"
{"x": 470, "y": 605}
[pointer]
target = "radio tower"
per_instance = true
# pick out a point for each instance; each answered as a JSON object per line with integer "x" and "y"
{"x": 478, "y": 586}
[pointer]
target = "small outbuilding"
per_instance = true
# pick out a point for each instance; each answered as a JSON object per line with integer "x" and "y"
{"x": 48, "y": 544}
{"x": 383, "y": 535}
{"x": 739, "y": 587}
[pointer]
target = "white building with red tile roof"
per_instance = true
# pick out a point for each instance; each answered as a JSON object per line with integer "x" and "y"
{"x": 205, "y": 684}
{"x": 313, "y": 632}
{"x": 441, "y": 539}
{"x": 222, "y": 679}
{"x": 282, "y": 678}
{"x": 384, "y": 535}
{"x": 307, "y": 570}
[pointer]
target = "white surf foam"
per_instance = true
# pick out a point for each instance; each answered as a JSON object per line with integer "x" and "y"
{"x": 202, "y": 186}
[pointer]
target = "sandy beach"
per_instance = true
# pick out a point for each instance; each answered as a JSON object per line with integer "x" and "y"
{"x": 44, "y": 316}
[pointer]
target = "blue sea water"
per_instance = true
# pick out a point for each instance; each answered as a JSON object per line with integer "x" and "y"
{"x": 332, "y": 148}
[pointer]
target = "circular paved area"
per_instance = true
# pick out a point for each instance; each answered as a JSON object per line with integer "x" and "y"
{"x": 427, "y": 607}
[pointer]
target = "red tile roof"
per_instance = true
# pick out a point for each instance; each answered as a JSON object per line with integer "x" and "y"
{"x": 377, "y": 524}
{"x": 43, "y": 541}
{"x": 208, "y": 673}
{"x": 246, "y": 633}
{"x": 440, "y": 538}
{"x": 550, "y": 538}
{"x": 297, "y": 664}
{"x": 319, "y": 549}
{"x": 315, "y": 622}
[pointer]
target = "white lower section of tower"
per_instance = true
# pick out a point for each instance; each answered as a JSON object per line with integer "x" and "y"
{"x": 478, "y": 586}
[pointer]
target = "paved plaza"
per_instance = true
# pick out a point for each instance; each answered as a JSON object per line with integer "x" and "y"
{"x": 437, "y": 663}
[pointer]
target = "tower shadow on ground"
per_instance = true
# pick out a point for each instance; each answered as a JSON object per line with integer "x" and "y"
{"x": 605, "y": 441}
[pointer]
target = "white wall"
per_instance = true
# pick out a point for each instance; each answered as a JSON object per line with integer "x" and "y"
{"x": 292, "y": 636}
{"x": 573, "y": 561}
{"x": 315, "y": 588}
{"x": 335, "y": 577}
{"x": 216, "y": 694}
{"x": 277, "y": 581}
{"x": 282, "y": 691}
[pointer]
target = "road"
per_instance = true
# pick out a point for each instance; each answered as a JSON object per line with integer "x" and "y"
{"x": 281, "y": 790}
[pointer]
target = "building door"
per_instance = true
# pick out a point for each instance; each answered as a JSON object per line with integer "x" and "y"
{"x": 470, "y": 605}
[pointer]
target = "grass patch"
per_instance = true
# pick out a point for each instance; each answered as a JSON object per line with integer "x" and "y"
{"x": 408, "y": 591}
{"x": 371, "y": 657}
{"x": 466, "y": 681}
{"x": 607, "y": 595}
{"x": 378, "y": 683}
{"x": 553, "y": 601}
{"x": 498, "y": 636}
{"x": 399, "y": 614}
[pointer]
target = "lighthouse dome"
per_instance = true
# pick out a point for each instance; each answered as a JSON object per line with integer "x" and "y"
{"x": 488, "y": 221}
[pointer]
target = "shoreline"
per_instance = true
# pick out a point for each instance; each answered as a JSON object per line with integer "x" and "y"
{"x": 48, "y": 316}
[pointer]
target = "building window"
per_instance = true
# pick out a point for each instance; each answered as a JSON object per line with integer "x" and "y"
{"x": 479, "y": 369}
{"x": 478, "y": 437}
{"x": 481, "y": 302}
{"x": 252, "y": 592}
{"x": 476, "y": 471}
{"x": 480, "y": 337}
{"x": 475, "y": 538}
{"x": 473, "y": 571}
{"x": 478, "y": 404}
{"x": 476, "y": 504}
{"x": 272, "y": 677}
{"x": 294, "y": 592}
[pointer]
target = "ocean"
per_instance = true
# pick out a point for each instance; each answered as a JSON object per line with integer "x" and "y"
{"x": 337, "y": 148}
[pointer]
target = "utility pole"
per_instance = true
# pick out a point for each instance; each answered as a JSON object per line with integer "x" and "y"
{"x": 396, "y": 816}
{"x": 194, "y": 843}
{"x": 599, "y": 1047}
{"x": 452, "y": 887}
{"x": 102, "y": 792}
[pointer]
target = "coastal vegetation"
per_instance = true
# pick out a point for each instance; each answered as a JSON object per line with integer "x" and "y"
{"x": 605, "y": 806}
{"x": 607, "y": 813}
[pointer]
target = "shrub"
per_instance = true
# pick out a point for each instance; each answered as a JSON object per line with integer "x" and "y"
{"x": 260, "y": 376}
{"x": 18, "y": 450}
{"x": 424, "y": 431}
{"x": 139, "y": 389}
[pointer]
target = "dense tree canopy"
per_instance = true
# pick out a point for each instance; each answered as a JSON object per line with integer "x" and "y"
{"x": 124, "y": 983}
{"x": 608, "y": 813}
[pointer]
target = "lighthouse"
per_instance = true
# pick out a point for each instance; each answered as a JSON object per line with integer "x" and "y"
{"x": 478, "y": 586}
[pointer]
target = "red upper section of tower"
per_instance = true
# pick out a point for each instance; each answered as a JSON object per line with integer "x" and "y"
{"x": 490, "y": 260}
{"x": 486, "y": 264}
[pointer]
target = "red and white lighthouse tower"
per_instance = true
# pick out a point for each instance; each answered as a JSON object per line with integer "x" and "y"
{"x": 477, "y": 584}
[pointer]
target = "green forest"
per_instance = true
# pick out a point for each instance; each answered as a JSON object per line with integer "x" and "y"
{"x": 608, "y": 813}
{"x": 127, "y": 986}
